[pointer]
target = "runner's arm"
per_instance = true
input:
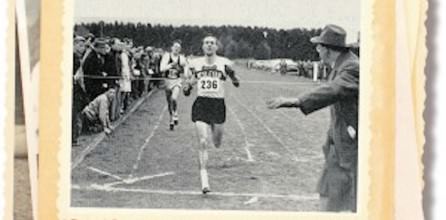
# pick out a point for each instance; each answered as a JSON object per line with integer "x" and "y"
{"x": 164, "y": 65}
{"x": 231, "y": 73}
{"x": 189, "y": 80}
{"x": 189, "y": 74}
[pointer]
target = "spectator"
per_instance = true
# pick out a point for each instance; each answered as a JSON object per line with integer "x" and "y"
{"x": 112, "y": 66}
{"x": 338, "y": 184}
{"x": 138, "y": 77}
{"x": 94, "y": 70}
{"x": 283, "y": 67}
{"x": 308, "y": 69}
{"x": 151, "y": 68}
{"x": 96, "y": 114}
{"x": 79, "y": 96}
{"x": 142, "y": 66}
{"x": 125, "y": 82}
{"x": 156, "y": 63}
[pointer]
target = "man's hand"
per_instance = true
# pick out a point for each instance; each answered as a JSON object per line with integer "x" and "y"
{"x": 282, "y": 102}
{"x": 107, "y": 131}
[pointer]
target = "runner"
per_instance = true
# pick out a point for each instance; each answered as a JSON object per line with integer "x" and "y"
{"x": 172, "y": 65}
{"x": 209, "y": 110}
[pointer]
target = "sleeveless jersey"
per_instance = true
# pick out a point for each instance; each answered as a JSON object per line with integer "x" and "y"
{"x": 210, "y": 77}
{"x": 176, "y": 71}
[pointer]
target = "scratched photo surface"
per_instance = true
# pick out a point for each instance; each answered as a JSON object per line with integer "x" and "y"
{"x": 131, "y": 149}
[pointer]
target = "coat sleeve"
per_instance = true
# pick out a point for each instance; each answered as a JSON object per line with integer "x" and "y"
{"x": 88, "y": 66}
{"x": 344, "y": 86}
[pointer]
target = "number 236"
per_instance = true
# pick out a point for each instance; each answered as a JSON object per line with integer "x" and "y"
{"x": 209, "y": 84}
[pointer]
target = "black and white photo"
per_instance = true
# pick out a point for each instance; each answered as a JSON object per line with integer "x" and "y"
{"x": 216, "y": 105}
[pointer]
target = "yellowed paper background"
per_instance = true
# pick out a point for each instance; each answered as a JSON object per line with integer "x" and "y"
{"x": 411, "y": 55}
{"x": 8, "y": 123}
{"x": 377, "y": 123}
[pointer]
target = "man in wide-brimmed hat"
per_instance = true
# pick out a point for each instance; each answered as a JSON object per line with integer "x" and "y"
{"x": 337, "y": 186}
{"x": 95, "y": 79}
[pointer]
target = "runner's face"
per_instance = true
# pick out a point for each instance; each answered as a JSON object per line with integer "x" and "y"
{"x": 209, "y": 46}
{"x": 176, "y": 48}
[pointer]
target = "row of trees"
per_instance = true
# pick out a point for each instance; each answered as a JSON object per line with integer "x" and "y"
{"x": 236, "y": 41}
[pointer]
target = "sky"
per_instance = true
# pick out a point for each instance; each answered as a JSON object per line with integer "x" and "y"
{"x": 284, "y": 14}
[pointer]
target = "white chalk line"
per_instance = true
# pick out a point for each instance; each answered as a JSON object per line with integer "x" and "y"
{"x": 136, "y": 179}
{"x": 242, "y": 128}
{"x": 268, "y": 129}
{"x": 105, "y": 173}
{"x": 280, "y": 83}
{"x": 251, "y": 201}
{"x": 78, "y": 160}
{"x": 310, "y": 197}
{"x": 147, "y": 141}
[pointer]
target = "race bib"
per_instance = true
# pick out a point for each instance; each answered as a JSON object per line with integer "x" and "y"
{"x": 209, "y": 84}
{"x": 173, "y": 73}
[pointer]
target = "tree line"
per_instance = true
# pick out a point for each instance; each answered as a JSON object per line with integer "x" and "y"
{"x": 236, "y": 41}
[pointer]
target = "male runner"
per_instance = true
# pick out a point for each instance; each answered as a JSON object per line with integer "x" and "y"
{"x": 172, "y": 65}
{"x": 209, "y": 111}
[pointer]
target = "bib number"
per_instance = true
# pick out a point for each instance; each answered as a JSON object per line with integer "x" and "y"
{"x": 172, "y": 74}
{"x": 209, "y": 84}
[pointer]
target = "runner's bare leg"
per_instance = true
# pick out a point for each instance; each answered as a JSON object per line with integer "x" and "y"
{"x": 169, "y": 100}
{"x": 174, "y": 98}
{"x": 169, "y": 106}
{"x": 202, "y": 133}
{"x": 217, "y": 134}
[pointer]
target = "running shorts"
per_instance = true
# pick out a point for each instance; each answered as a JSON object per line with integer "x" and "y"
{"x": 209, "y": 110}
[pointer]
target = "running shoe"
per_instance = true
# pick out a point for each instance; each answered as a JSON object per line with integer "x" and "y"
{"x": 171, "y": 124}
{"x": 205, "y": 190}
{"x": 204, "y": 182}
{"x": 175, "y": 118}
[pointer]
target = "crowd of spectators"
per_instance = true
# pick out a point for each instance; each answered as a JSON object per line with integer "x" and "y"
{"x": 108, "y": 75}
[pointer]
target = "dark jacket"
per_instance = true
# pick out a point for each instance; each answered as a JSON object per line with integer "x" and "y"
{"x": 77, "y": 59}
{"x": 94, "y": 66}
{"x": 80, "y": 98}
{"x": 341, "y": 94}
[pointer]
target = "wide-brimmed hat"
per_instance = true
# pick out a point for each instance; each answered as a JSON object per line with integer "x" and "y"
{"x": 100, "y": 43}
{"x": 332, "y": 35}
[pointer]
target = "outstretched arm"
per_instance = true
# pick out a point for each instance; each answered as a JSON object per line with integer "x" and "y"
{"x": 282, "y": 102}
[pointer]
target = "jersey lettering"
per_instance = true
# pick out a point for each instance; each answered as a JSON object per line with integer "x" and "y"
{"x": 210, "y": 78}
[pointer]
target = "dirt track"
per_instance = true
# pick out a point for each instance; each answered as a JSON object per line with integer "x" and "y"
{"x": 270, "y": 160}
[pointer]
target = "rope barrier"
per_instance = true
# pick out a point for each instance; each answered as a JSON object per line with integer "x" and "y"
{"x": 165, "y": 78}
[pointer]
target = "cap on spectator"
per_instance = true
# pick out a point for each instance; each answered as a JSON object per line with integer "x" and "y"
{"x": 90, "y": 36}
{"x": 100, "y": 43}
{"x": 149, "y": 49}
{"x": 78, "y": 39}
{"x": 331, "y": 35}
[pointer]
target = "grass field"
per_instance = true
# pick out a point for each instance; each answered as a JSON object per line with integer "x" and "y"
{"x": 270, "y": 159}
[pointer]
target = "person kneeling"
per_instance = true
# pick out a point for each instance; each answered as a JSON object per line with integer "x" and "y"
{"x": 96, "y": 113}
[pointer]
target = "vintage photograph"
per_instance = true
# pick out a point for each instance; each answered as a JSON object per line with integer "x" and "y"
{"x": 215, "y": 105}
